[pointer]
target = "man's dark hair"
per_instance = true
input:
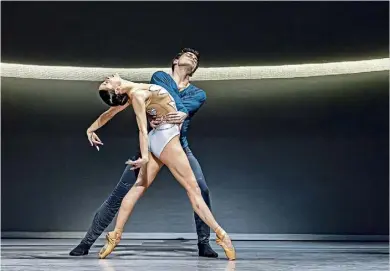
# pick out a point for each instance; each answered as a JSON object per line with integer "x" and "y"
{"x": 187, "y": 50}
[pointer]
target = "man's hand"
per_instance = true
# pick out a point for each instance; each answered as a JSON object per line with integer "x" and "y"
{"x": 175, "y": 117}
{"x": 94, "y": 139}
{"x": 155, "y": 122}
{"x": 140, "y": 162}
{"x": 172, "y": 118}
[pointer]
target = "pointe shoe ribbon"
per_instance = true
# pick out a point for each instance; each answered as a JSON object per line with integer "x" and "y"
{"x": 223, "y": 241}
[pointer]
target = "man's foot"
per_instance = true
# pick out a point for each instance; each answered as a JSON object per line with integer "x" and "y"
{"x": 205, "y": 250}
{"x": 80, "y": 250}
{"x": 112, "y": 240}
{"x": 224, "y": 241}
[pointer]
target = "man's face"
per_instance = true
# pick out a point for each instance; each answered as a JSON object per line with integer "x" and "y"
{"x": 188, "y": 59}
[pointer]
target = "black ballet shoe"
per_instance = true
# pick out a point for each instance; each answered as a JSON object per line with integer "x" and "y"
{"x": 205, "y": 250}
{"x": 80, "y": 250}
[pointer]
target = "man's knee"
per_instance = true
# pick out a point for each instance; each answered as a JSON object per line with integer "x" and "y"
{"x": 205, "y": 192}
{"x": 129, "y": 176}
{"x": 118, "y": 194}
{"x": 198, "y": 174}
{"x": 126, "y": 181}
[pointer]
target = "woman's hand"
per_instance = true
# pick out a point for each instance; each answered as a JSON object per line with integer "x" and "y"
{"x": 155, "y": 122}
{"x": 140, "y": 162}
{"x": 94, "y": 139}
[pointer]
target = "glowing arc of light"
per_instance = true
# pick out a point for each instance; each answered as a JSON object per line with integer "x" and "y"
{"x": 202, "y": 74}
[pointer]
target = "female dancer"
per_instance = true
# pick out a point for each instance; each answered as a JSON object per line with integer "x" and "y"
{"x": 162, "y": 148}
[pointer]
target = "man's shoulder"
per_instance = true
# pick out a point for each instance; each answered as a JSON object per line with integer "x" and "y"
{"x": 160, "y": 74}
{"x": 199, "y": 92}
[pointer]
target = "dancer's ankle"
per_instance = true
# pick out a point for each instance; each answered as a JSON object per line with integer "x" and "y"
{"x": 220, "y": 232}
{"x": 118, "y": 232}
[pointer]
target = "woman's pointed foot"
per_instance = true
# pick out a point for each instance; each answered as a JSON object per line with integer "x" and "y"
{"x": 224, "y": 241}
{"x": 112, "y": 240}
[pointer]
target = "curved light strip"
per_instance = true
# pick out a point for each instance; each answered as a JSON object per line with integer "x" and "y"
{"x": 202, "y": 74}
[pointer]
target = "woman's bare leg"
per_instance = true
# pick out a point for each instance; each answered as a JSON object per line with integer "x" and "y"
{"x": 145, "y": 178}
{"x": 175, "y": 159}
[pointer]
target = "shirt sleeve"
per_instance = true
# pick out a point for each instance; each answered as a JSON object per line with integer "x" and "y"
{"x": 197, "y": 101}
{"x": 161, "y": 78}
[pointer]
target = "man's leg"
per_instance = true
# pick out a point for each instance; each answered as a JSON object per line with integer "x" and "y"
{"x": 106, "y": 212}
{"x": 202, "y": 229}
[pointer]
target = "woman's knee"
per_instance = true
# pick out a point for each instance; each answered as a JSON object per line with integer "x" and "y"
{"x": 203, "y": 186}
{"x": 193, "y": 189}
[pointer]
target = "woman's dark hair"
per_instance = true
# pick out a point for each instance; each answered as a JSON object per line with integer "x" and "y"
{"x": 187, "y": 50}
{"x": 112, "y": 99}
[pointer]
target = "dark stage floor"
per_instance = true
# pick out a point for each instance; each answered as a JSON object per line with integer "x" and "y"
{"x": 179, "y": 255}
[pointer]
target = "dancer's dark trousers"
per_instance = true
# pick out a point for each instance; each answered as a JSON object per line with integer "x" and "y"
{"x": 107, "y": 211}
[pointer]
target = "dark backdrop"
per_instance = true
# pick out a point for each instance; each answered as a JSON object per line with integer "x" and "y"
{"x": 149, "y": 34}
{"x": 280, "y": 156}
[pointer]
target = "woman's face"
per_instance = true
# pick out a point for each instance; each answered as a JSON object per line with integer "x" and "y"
{"x": 111, "y": 92}
{"x": 113, "y": 82}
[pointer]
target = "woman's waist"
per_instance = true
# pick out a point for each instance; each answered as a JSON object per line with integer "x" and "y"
{"x": 163, "y": 118}
{"x": 165, "y": 126}
{"x": 164, "y": 115}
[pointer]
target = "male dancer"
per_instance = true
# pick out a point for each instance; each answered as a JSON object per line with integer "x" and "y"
{"x": 188, "y": 100}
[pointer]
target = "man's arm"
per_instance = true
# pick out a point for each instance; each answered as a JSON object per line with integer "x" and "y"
{"x": 106, "y": 117}
{"x": 192, "y": 106}
{"x": 161, "y": 78}
{"x": 196, "y": 102}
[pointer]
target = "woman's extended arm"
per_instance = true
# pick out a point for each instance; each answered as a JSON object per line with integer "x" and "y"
{"x": 138, "y": 102}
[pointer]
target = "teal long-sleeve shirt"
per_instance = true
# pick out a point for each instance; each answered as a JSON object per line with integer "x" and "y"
{"x": 189, "y": 100}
